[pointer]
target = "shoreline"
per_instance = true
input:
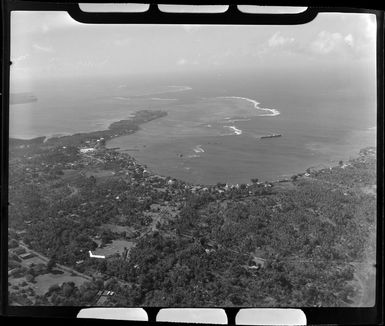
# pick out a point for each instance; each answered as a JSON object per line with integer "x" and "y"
{"x": 62, "y": 165}
{"x": 115, "y": 129}
{"x": 99, "y": 139}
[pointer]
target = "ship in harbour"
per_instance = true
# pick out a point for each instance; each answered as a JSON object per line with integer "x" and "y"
{"x": 271, "y": 136}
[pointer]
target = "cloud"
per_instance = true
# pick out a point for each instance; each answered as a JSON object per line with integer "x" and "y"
{"x": 351, "y": 45}
{"x": 370, "y": 31}
{"x": 27, "y": 22}
{"x": 189, "y": 62}
{"x": 349, "y": 40}
{"x": 276, "y": 45}
{"x": 334, "y": 43}
{"x": 278, "y": 41}
{"x": 45, "y": 28}
{"x": 181, "y": 62}
{"x": 20, "y": 58}
{"x": 325, "y": 42}
{"x": 123, "y": 41}
{"x": 42, "y": 48}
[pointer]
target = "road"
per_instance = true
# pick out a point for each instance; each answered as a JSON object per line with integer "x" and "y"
{"x": 58, "y": 266}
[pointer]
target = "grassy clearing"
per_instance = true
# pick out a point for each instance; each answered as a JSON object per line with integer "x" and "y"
{"x": 117, "y": 246}
{"x": 45, "y": 281}
{"x": 99, "y": 173}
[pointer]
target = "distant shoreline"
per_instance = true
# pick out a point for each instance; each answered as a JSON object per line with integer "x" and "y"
{"x": 122, "y": 128}
{"x": 116, "y": 129}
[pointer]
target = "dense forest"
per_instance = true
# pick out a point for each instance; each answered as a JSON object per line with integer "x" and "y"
{"x": 291, "y": 243}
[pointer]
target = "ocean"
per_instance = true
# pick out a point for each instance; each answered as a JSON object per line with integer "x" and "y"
{"x": 215, "y": 121}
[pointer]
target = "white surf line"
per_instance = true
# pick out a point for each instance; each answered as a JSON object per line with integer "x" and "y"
{"x": 199, "y": 149}
{"x": 272, "y": 112}
{"x": 236, "y": 131}
{"x": 163, "y": 99}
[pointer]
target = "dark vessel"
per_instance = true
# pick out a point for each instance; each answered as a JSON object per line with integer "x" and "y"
{"x": 272, "y": 136}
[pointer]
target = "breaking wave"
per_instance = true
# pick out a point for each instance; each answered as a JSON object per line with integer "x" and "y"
{"x": 199, "y": 149}
{"x": 271, "y": 112}
{"x": 235, "y": 130}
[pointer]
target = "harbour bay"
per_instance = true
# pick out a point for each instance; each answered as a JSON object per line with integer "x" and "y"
{"x": 317, "y": 130}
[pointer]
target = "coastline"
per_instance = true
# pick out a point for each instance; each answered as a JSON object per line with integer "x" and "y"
{"x": 126, "y": 127}
{"x": 115, "y": 129}
{"x": 57, "y": 169}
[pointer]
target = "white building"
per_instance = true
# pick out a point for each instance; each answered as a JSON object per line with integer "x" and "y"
{"x": 86, "y": 150}
{"x": 96, "y": 256}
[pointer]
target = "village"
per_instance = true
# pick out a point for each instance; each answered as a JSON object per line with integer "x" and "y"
{"x": 85, "y": 209}
{"x": 93, "y": 161}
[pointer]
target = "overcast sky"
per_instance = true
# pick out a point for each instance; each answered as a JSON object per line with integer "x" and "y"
{"x": 51, "y": 44}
